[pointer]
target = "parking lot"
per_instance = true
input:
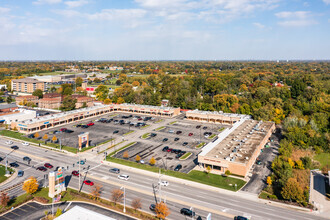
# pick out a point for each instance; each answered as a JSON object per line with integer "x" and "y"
{"x": 180, "y": 137}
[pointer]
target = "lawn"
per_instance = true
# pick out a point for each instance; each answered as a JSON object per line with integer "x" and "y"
{"x": 3, "y": 172}
{"x": 130, "y": 132}
{"x": 221, "y": 129}
{"x": 145, "y": 126}
{"x": 196, "y": 176}
{"x": 323, "y": 158}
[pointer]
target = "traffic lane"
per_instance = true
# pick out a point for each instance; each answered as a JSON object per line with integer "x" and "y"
{"x": 146, "y": 200}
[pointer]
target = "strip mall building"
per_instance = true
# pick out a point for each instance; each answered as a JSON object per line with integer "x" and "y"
{"x": 54, "y": 120}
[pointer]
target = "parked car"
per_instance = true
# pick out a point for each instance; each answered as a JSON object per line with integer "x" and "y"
{"x": 176, "y": 139}
{"x": 69, "y": 131}
{"x": 204, "y": 127}
{"x": 152, "y": 207}
{"x": 84, "y": 126}
{"x": 163, "y": 183}
{"x": 25, "y": 143}
{"x": 170, "y": 131}
{"x": 14, "y": 164}
{"x": 115, "y": 170}
{"x": 190, "y": 134}
{"x": 82, "y": 162}
{"x": 1, "y": 159}
{"x": 198, "y": 126}
{"x": 187, "y": 212}
{"x": 9, "y": 142}
{"x": 43, "y": 169}
{"x": 88, "y": 182}
{"x": 240, "y": 218}
{"x": 178, "y": 167}
{"x": 14, "y": 147}
{"x": 20, "y": 173}
{"x": 90, "y": 124}
{"x": 165, "y": 148}
{"x": 79, "y": 125}
{"x": 116, "y": 131}
{"x": 123, "y": 177}
{"x": 30, "y": 136}
{"x": 185, "y": 143}
{"x": 75, "y": 173}
{"x": 165, "y": 139}
{"x": 179, "y": 155}
{"x": 178, "y": 132}
{"x": 153, "y": 134}
{"x": 142, "y": 161}
{"x": 258, "y": 161}
{"x": 63, "y": 129}
{"x": 169, "y": 149}
{"x": 26, "y": 159}
{"x": 48, "y": 165}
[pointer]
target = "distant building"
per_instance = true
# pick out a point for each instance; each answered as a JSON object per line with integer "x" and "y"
{"x": 78, "y": 212}
{"x": 18, "y": 115}
{"x": 83, "y": 99}
{"x": 27, "y": 85}
{"x": 48, "y": 78}
{"x": 54, "y": 101}
{"x": 21, "y": 100}
{"x": 52, "y": 95}
{"x": 8, "y": 108}
{"x": 50, "y": 103}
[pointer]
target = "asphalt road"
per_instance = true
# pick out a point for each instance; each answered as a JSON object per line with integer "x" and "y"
{"x": 178, "y": 194}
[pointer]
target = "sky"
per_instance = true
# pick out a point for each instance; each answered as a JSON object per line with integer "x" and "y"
{"x": 164, "y": 29}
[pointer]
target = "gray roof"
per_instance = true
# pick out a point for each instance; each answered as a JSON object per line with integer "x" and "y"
{"x": 25, "y": 80}
{"x": 11, "y": 105}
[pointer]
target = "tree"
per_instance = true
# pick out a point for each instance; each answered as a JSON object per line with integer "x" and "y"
{"x": 269, "y": 180}
{"x": 36, "y": 135}
{"x": 227, "y": 172}
{"x": 38, "y": 92}
{"x": 107, "y": 101}
{"x": 136, "y": 203}
{"x": 208, "y": 169}
{"x": 137, "y": 158}
{"x": 58, "y": 212}
{"x": 135, "y": 83}
{"x": 68, "y": 91}
{"x": 162, "y": 210}
{"x": 120, "y": 100}
{"x": 84, "y": 105}
{"x": 45, "y": 137}
{"x": 96, "y": 191}
{"x": 152, "y": 161}
{"x": 9, "y": 99}
{"x": 54, "y": 138}
{"x": 125, "y": 155}
{"x": 299, "y": 165}
{"x": 30, "y": 185}
{"x": 68, "y": 103}
{"x": 292, "y": 190}
{"x": 117, "y": 195}
{"x": 79, "y": 81}
{"x": 101, "y": 92}
{"x": 4, "y": 199}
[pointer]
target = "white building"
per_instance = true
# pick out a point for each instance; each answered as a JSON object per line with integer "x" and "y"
{"x": 20, "y": 114}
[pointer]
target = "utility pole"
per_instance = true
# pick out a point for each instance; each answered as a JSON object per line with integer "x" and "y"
{"x": 124, "y": 210}
{"x": 6, "y": 163}
{"x": 79, "y": 170}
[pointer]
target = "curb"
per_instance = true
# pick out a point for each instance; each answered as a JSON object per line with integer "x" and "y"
{"x": 9, "y": 179}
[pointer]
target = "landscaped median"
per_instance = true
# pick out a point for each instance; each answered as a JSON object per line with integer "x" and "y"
{"x": 159, "y": 121}
{"x": 20, "y": 136}
{"x": 173, "y": 122}
{"x": 200, "y": 145}
{"x": 212, "y": 136}
{"x": 194, "y": 175}
{"x": 122, "y": 148}
{"x": 145, "y": 136}
{"x": 160, "y": 128}
{"x": 185, "y": 156}
{"x": 3, "y": 172}
{"x": 130, "y": 132}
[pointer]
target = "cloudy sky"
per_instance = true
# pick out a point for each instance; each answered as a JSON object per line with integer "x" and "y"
{"x": 164, "y": 29}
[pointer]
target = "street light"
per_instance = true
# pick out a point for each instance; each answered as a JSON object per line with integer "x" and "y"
{"x": 124, "y": 210}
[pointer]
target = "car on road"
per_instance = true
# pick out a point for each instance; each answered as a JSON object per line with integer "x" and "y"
{"x": 75, "y": 173}
{"x": 165, "y": 139}
{"x": 25, "y": 143}
{"x": 185, "y": 143}
{"x": 115, "y": 170}
{"x": 27, "y": 159}
{"x": 9, "y": 142}
{"x": 176, "y": 139}
{"x": 20, "y": 173}
{"x": 88, "y": 182}
{"x": 123, "y": 177}
{"x": 178, "y": 167}
{"x": 165, "y": 148}
{"x": 187, "y": 212}
{"x": 116, "y": 131}
{"x": 42, "y": 169}
{"x": 90, "y": 124}
{"x": 48, "y": 165}
{"x": 14, "y": 147}
{"x": 190, "y": 134}
{"x": 82, "y": 162}
{"x": 14, "y": 164}
{"x": 163, "y": 183}
{"x": 152, "y": 207}
{"x": 240, "y": 218}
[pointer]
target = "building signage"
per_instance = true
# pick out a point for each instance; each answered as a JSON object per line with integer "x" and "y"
{"x": 22, "y": 125}
{"x": 46, "y": 122}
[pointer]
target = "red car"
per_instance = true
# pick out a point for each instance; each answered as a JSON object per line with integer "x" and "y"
{"x": 63, "y": 129}
{"x": 190, "y": 134}
{"x": 42, "y": 169}
{"x": 75, "y": 173}
{"x": 90, "y": 124}
{"x": 48, "y": 165}
{"x": 169, "y": 149}
{"x": 88, "y": 182}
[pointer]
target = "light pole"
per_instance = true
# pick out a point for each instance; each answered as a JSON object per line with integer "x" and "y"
{"x": 79, "y": 169}
{"x": 124, "y": 210}
{"x": 6, "y": 163}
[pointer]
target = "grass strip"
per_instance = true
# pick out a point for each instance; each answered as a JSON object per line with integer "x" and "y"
{"x": 212, "y": 136}
{"x": 200, "y": 145}
{"x": 3, "y": 172}
{"x": 173, "y": 122}
{"x": 130, "y": 132}
{"x": 160, "y": 128}
{"x": 111, "y": 147}
{"x": 185, "y": 156}
{"x": 194, "y": 175}
{"x": 145, "y": 126}
{"x": 159, "y": 121}
{"x": 145, "y": 136}
{"x": 221, "y": 129}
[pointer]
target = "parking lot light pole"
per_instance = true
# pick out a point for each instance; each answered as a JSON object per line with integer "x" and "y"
{"x": 79, "y": 170}
{"x": 124, "y": 210}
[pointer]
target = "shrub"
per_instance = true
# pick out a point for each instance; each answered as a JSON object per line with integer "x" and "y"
{"x": 273, "y": 197}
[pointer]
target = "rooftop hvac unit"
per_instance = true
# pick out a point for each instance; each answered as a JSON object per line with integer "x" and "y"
{"x": 216, "y": 156}
{"x": 220, "y": 152}
{"x": 246, "y": 158}
{"x": 227, "y": 158}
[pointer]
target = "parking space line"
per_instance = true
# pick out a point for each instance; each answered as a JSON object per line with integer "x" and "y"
{"x": 6, "y": 217}
{"x": 15, "y": 213}
{"x": 31, "y": 206}
{"x": 22, "y": 209}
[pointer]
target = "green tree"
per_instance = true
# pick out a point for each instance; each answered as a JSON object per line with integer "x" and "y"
{"x": 79, "y": 81}
{"x": 38, "y": 92}
{"x": 68, "y": 91}
{"x": 101, "y": 92}
{"x": 9, "y": 99}
{"x": 68, "y": 104}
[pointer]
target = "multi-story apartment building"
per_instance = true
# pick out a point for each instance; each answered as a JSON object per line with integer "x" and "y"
{"x": 27, "y": 85}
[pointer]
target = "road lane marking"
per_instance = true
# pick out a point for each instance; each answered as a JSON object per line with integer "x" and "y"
{"x": 189, "y": 204}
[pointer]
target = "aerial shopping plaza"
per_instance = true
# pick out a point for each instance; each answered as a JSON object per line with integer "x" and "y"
{"x": 235, "y": 145}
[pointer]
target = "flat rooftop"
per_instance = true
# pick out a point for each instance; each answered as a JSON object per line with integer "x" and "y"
{"x": 219, "y": 113}
{"x": 240, "y": 144}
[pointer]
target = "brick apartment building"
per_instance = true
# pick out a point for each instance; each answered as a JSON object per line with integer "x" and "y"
{"x": 27, "y": 85}
{"x": 21, "y": 100}
{"x": 7, "y": 108}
